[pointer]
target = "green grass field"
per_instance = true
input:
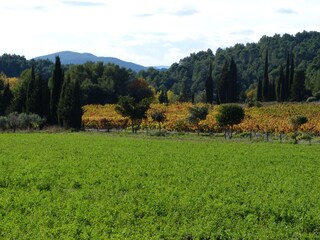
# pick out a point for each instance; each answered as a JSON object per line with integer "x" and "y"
{"x": 101, "y": 186}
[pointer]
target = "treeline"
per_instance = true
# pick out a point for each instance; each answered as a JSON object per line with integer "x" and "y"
{"x": 278, "y": 68}
{"x": 57, "y": 99}
{"x": 60, "y": 97}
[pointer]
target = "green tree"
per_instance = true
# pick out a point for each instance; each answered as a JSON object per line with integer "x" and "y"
{"x": 280, "y": 87}
{"x": 33, "y": 96}
{"x": 286, "y": 83}
{"x": 222, "y": 86}
{"x": 197, "y": 114}
{"x": 209, "y": 86}
{"x": 291, "y": 77}
{"x": 298, "y": 86}
{"x": 228, "y": 116}
{"x": 158, "y": 116}
{"x": 163, "y": 97}
{"x": 265, "y": 83}
{"x": 232, "y": 82}
{"x": 69, "y": 107}
{"x": 135, "y": 111}
{"x": 139, "y": 89}
{"x": 5, "y": 99}
{"x": 296, "y": 122}
{"x": 55, "y": 85}
{"x": 18, "y": 103}
{"x": 259, "y": 91}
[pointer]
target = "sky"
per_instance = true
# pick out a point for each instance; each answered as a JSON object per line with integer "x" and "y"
{"x": 147, "y": 32}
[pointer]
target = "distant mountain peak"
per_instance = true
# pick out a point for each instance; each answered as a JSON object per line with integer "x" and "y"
{"x": 70, "y": 57}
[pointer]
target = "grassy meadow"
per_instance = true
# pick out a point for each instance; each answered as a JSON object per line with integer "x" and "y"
{"x": 108, "y": 186}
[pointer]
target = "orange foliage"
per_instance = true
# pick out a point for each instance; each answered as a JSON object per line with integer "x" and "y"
{"x": 270, "y": 119}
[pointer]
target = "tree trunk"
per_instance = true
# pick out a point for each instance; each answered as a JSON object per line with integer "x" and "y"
{"x": 295, "y": 138}
{"x": 132, "y": 126}
{"x": 198, "y": 130}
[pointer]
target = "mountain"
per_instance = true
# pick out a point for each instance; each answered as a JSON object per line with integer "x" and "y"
{"x": 68, "y": 57}
{"x": 161, "y": 68}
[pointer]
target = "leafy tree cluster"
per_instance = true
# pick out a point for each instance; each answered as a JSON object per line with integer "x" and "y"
{"x": 227, "y": 84}
{"x": 21, "y": 121}
{"x": 46, "y": 98}
{"x": 135, "y": 110}
{"x": 256, "y": 64}
{"x": 14, "y": 65}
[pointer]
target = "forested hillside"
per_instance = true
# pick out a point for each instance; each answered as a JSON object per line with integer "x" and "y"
{"x": 190, "y": 73}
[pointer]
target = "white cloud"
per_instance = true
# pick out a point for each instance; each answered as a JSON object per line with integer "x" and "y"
{"x": 157, "y": 32}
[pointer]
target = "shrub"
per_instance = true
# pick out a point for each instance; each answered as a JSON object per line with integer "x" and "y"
{"x": 196, "y": 114}
{"x": 158, "y": 116}
{"x": 296, "y": 122}
{"x": 35, "y": 121}
{"x": 317, "y": 95}
{"x": 312, "y": 99}
{"x": 3, "y": 123}
{"x": 228, "y": 116}
{"x": 13, "y": 121}
{"x": 24, "y": 121}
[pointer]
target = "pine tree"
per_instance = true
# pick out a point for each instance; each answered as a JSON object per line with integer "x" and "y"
{"x": 163, "y": 97}
{"x": 185, "y": 93}
{"x": 55, "y": 85}
{"x": 209, "y": 86}
{"x": 265, "y": 83}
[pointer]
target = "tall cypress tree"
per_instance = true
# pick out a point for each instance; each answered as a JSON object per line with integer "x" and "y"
{"x": 209, "y": 86}
{"x": 259, "y": 91}
{"x": 45, "y": 97}
{"x": 76, "y": 121}
{"x": 291, "y": 75}
{"x": 33, "y": 95}
{"x": 265, "y": 83}
{"x": 232, "y": 86}
{"x": 280, "y": 86}
{"x": 30, "y": 100}
{"x": 69, "y": 107}
{"x": 298, "y": 86}
{"x": 286, "y": 86}
{"x": 222, "y": 86}
{"x": 272, "y": 90}
{"x": 55, "y": 85}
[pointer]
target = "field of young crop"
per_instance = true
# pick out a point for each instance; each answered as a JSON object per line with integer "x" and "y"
{"x": 108, "y": 186}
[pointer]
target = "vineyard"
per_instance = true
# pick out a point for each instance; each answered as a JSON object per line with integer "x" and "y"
{"x": 267, "y": 119}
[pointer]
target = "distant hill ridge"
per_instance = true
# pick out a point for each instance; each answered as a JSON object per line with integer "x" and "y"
{"x": 69, "y": 57}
